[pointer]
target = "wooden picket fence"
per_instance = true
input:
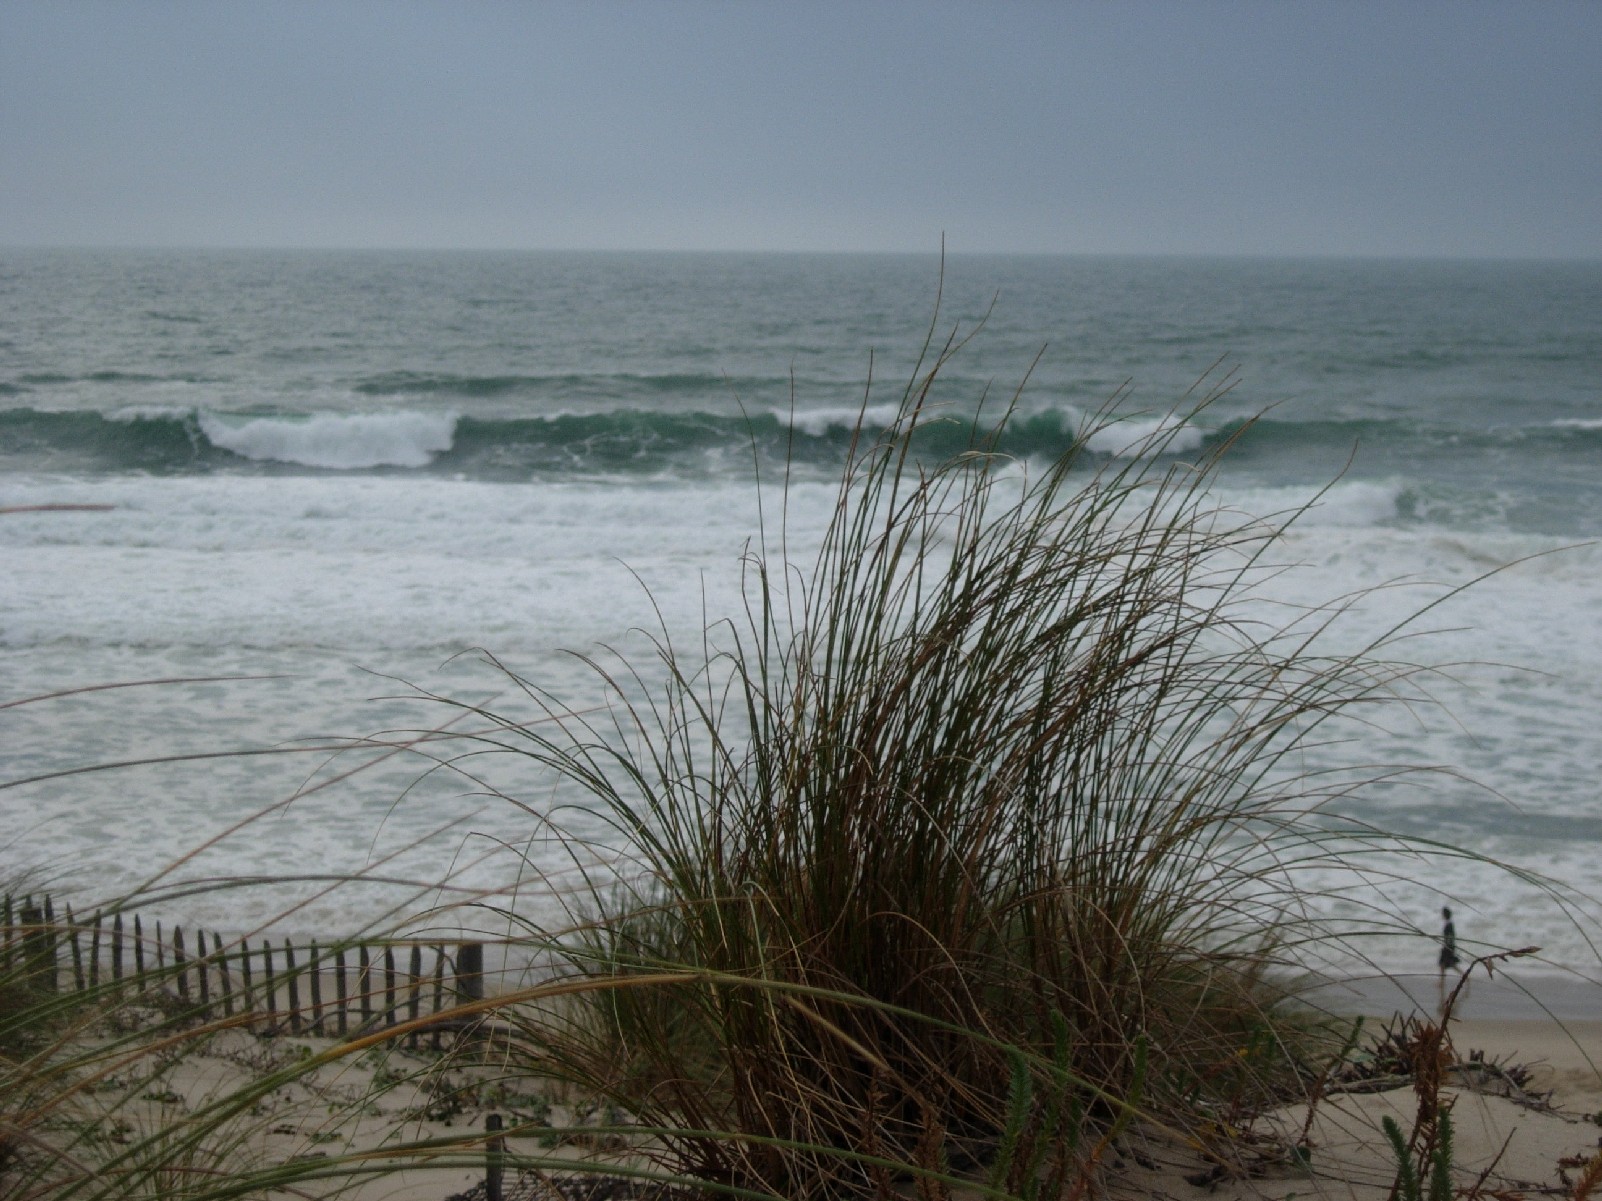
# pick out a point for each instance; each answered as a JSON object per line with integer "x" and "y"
{"x": 334, "y": 989}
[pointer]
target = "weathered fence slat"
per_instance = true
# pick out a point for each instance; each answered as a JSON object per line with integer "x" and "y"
{"x": 94, "y": 951}
{"x": 180, "y": 964}
{"x": 50, "y": 945}
{"x": 203, "y": 969}
{"x": 389, "y": 985}
{"x": 414, "y": 991}
{"x": 365, "y": 985}
{"x": 222, "y": 974}
{"x": 293, "y": 979}
{"x": 245, "y": 982}
{"x": 116, "y": 948}
{"x": 494, "y": 1158}
{"x": 38, "y": 949}
{"x": 439, "y": 994}
{"x": 341, "y": 1023}
{"x": 30, "y": 919}
{"x": 315, "y": 968}
{"x": 77, "y": 952}
{"x": 267, "y": 977}
{"x": 470, "y": 971}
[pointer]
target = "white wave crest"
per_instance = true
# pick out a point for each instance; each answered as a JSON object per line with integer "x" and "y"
{"x": 132, "y": 413}
{"x": 1134, "y": 438}
{"x": 337, "y": 441}
{"x": 1349, "y": 504}
{"x": 815, "y": 423}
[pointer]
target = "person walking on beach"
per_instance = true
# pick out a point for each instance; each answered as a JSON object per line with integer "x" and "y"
{"x": 1448, "y": 951}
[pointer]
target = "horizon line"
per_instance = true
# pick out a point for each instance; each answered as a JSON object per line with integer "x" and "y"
{"x": 946, "y": 252}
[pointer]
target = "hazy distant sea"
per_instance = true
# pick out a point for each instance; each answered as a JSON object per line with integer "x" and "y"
{"x": 340, "y": 469}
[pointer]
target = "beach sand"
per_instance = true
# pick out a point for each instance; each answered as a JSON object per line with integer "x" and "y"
{"x": 1510, "y": 1142}
{"x": 1527, "y": 1146}
{"x": 1527, "y": 1143}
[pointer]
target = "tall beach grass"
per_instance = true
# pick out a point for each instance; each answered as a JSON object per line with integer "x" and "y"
{"x": 967, "y": 842}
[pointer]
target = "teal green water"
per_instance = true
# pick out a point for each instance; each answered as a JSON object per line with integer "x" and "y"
{"x": 1477, "y": 382}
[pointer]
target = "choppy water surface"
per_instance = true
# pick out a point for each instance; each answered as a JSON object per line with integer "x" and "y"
{"x": 337, "y": 469}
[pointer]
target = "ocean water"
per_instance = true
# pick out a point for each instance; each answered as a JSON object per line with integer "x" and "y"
{"x": 322, "y": 483}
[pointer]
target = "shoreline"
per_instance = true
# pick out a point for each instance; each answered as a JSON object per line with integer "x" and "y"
{"x": 1535, "y": 997}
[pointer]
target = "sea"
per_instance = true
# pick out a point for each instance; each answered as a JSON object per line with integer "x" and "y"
{"x": 306, "y": 510}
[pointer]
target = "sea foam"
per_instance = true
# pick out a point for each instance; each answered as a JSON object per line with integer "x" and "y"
{"x": 1135, "y": 438}
{"x": 343, "y": 576}
{"x": 341, "y": 442}
{"x": 129, "y": 414}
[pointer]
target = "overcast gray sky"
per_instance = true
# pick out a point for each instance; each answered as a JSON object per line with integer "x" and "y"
{"x": 1429, "y": 128}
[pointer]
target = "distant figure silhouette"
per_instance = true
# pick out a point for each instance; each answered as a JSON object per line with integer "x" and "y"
{"x": 1448, "y": 951}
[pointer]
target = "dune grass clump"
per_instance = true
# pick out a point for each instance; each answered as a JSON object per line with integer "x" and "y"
{"x": 963, "y": 846}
